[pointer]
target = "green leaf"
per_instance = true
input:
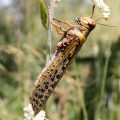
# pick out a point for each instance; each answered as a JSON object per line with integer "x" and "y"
{"x": 43, "y": 13}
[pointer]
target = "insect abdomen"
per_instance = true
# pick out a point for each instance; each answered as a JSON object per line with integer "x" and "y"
{"x": 55, "y": 69}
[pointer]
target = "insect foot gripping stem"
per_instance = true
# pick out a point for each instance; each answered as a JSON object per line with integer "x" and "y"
{"x": 68, "y": 46}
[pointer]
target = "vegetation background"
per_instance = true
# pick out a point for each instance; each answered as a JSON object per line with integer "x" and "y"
{"x": 90, "y": 88}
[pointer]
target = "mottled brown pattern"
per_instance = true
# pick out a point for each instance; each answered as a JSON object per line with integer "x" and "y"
{"x": 67, "y": 47}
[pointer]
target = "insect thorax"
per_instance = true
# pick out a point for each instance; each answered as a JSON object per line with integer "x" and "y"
{"x": 85, "y": 25}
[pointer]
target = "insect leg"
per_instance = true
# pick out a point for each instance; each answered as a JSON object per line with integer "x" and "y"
{"x": 59, "y": 29}
{"x": 64, "y": 22}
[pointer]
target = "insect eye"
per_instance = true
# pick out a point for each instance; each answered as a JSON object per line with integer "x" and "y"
{"x": 91, "y": 25}
{"x": 79, "y": 20}
{"x": 76, "y": 20}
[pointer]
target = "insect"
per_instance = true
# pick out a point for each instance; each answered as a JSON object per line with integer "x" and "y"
{"x": 69, "y": 45}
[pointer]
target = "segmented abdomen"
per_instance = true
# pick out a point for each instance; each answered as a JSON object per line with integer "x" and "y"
{"x": 54, "y": 70}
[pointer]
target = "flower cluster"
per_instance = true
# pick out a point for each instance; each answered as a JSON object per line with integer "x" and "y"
{"x": 29, "y": 114}
{"x": 55, "y": 2}
{"x": 103, "y": 7}
{"x": 40, "y": 115}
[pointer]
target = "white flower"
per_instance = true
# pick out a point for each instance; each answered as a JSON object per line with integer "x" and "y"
{"x": 40, "y": 115}
{"x": 55, "y": 2}
{"x": 28, "y": 112}
{"x": 103, "y": 7}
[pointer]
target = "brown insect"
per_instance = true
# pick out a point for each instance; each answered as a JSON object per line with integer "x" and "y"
{"x": 68, "y": 46}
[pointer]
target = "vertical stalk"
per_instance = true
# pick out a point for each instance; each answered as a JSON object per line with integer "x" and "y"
{"x": 105, "y": 71}
{"x": 80, "y": 94}
{"x": 49, "y": 41}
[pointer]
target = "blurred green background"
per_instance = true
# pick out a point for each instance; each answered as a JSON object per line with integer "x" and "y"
{"x": 90, "y": 88}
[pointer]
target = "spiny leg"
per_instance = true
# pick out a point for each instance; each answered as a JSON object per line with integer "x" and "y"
{"x": 64, "y": 22}
{"x": 58, "y": 28}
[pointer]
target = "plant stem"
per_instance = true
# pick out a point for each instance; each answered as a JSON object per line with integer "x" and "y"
{"x": 49, "y": 41}
{"x": 105, "y": 71}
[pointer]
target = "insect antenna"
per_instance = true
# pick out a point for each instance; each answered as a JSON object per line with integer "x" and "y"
{"x": 103, "y": 23}
{"x": 99, "y": 19}
{"x": 106, "y": 25}
{"x": 93, "y": 9}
